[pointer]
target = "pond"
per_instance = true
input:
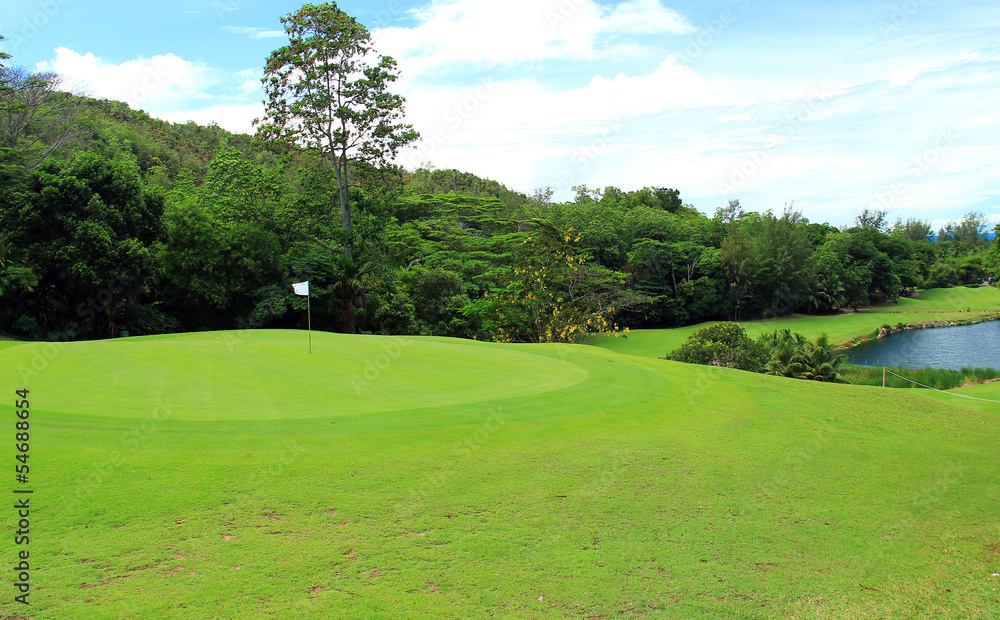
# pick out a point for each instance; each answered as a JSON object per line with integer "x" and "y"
{"x": 961, "y": 346}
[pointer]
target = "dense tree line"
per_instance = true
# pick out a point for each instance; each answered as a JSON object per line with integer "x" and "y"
{"x": 112, "y": 222}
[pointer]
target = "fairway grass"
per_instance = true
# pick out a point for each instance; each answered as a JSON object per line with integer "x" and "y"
{"x": 982, "y": 397}
{"x": 953, "y": 305}
{"x": 978, "y": 299}
{"x": 234, "y": 475}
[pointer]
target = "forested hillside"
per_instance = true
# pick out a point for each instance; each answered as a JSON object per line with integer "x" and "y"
{"x": 112, "y": 221}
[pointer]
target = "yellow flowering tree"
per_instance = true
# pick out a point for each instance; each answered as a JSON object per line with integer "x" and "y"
{"x": 554, "y": 294}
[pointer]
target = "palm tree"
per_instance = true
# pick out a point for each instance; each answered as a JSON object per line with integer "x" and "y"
{"x": 739, "y": 265}
{"x": 826, "y": 294}
{"x": 349, "y": 287}
{"x": 823, "y": 360}
{"x": 788, "y": 354}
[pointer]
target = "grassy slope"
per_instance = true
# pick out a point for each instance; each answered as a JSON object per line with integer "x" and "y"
{"x": 985, "y": 391}
{"x": 631, "y": 486}
{"x": 937, "y": 305}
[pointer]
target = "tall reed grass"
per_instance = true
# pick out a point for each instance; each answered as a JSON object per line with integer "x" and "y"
{"x": 939, "y": 378}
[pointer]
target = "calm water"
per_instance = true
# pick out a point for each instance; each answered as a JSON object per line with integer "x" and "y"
{"x": 963, "y": 346}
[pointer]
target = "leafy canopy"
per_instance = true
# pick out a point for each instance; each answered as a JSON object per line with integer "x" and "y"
{"x": 327, "y": 90}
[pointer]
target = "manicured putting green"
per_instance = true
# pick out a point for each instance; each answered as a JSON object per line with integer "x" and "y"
{"x": 270, "y": 374}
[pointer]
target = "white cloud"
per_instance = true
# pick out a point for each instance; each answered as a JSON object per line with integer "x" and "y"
{"x": 254, "y": 33}
{"x": 234, "y": 118}
{"x": 251, "y": 87}
{"x": 670, "y": 85}
{"x": 452, "y": 32}
{"x": 647, "y": 17}
{"x": 735, "y": 118}
{"x": 992, "y": 220}
{"x": 527, "y": 104}
{"x": 832, "y": 151}
{"x": 621, "y": 130}
{"x": 905, "y": 75}
{"x": 143, "y": 83}
{"x": 165, "y": 86}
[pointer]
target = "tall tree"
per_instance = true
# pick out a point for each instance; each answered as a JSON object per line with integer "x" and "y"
{"x": 738, "y": 262}
{"x": 968, "y": 235}
{"x": 782, "y": 250}
{"x": 992, "y": 259}
{"x": 913, "y": 229}
{"x": 872, "y": 219}
{"x": 328, "y": 90}
{"x": 35, "y": 119}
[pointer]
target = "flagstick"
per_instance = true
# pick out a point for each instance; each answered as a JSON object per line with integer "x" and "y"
{"x": 309, "y": 319}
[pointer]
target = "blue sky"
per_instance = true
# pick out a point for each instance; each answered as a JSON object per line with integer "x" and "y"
{"x": 832, "y": 106}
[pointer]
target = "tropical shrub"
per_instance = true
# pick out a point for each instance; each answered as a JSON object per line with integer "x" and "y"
{"x": 723, "y": 344}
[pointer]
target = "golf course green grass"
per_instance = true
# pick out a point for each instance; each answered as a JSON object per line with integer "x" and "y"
{"x": 264, "y": 374}
{"x": 954, "y": 305}
{"x": 982, "y": 397}
{"x": 236, "y": 475}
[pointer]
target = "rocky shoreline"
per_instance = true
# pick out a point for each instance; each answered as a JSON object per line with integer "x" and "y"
{"x": 888, "y": 330}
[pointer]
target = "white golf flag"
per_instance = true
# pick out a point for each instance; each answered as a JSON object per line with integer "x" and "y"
{"x": 301, "y": 288}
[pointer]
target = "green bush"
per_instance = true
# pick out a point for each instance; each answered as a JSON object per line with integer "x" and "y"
{"x": 723, "y": 344}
